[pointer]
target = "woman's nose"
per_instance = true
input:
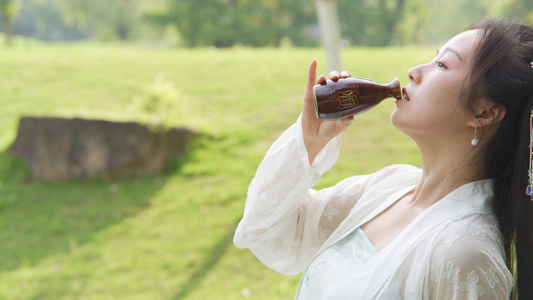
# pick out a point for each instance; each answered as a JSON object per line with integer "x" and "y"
{"x": 414, "y": 74}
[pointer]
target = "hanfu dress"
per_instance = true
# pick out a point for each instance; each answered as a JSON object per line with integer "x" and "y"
{"x": 452, "y": 250}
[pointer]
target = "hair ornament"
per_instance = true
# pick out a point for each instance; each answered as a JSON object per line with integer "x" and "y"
{"x": 529, "y": 188}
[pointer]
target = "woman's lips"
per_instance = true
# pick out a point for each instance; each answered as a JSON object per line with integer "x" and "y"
{"x": 405, "y": 94}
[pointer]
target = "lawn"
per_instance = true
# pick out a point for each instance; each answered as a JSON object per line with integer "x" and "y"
{"x": 166, "y": 236}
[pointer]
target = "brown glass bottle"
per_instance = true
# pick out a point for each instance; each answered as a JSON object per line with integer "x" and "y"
{"x": 351, "y": 96}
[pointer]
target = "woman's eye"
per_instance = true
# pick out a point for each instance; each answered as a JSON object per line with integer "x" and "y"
{"x": 440, "y": 64}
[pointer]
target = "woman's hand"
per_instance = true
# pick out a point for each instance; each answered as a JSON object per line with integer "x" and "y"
{"x": 316, "y": 132}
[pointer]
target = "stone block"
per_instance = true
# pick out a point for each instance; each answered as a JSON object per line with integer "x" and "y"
{"x": 66, "y": 149}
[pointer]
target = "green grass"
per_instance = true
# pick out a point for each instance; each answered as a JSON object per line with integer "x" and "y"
{"x": 166, "y": 236}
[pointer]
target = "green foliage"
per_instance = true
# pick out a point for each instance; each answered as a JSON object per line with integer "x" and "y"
{"x": 257, "y": 23}
{"x": 409, "y": 22}
{"x": 434, "y": 22}
{"x": 8, "y": 7}
{"x": 167, "y": 236}
{"x": 160, "y": 100}
{"x": 224, "y": 23}
{"x": 411, "y": 30}
{"x": 110, "y": 19}
{"x": 370, "y": 23}
{"x": 520, "y": 9}
{"x": 41, "y": 19}
{"x": 8, "y": 10}
{"x": 456, "y": 15}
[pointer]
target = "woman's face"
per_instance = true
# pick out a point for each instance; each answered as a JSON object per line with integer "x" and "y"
{"x": 431, "y": 109}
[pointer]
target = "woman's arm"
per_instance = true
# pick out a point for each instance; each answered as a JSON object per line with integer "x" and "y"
{"x": 281, "y": 218}
{"x": 285, "y": 221}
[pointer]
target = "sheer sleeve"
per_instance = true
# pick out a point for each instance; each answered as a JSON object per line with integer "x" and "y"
{"x": 468, "y": 263}
{"x": 285, "y": 221}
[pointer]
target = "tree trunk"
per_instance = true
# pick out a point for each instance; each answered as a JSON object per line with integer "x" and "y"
{"x": 8, "y": 29}
{"x": 401, "y": 3}
{"x": 330, "y": 33}
{"x": 123, "y": 30}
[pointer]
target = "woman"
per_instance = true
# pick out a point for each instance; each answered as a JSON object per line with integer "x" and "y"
{"x": 453, "y": 229}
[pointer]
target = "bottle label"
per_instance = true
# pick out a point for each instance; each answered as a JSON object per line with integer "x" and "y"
{"x": 347, "y": 99}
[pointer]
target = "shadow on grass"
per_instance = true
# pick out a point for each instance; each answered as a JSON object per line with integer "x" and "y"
{"x": 216, "y": 253}
{"x": 39, "y": 219}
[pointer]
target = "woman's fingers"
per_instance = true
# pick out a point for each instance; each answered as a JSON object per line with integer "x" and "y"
{"x": 340, "y": 125}
{"x": 321, "y": 80}
{"x": 308, "y": 110}
{"x": 311, "y": 75}
{"x": 334, "y": 75}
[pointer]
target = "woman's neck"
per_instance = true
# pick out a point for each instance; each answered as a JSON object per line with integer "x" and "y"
{"x": 446, "y": 168}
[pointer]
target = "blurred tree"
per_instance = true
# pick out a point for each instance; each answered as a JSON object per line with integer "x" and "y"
{"x": 8, "y": 9}
{"x": 391, "y": 22}
{"x": 372, "y": 23}
{"x": 391, "y": 12}
{"x": 42, "y": 20}
{"x": 447, "y": 19}
{"x": 110, "y": 19}
{"x": 224, "y": 23}
{"x": 411, "y": 29}
{"x": 521, "y": 9}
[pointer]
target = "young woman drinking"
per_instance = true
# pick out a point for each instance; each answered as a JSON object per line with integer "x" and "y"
{"x": 460, "y": 227}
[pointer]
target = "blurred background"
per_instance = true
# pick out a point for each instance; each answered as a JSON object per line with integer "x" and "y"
{"x": 254, "y": 23}
{"x": 231, "y": 70}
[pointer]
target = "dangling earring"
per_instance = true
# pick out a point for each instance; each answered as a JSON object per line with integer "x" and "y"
{"x": 475, "y": 141}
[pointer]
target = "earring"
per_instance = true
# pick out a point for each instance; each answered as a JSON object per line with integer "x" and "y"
{"x": 475, "y": 141}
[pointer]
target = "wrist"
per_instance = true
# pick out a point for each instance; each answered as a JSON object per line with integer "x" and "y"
{"x": 314, "y": 147}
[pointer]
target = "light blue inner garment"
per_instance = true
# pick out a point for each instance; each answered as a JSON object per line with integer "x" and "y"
{"x": 338, "y": 261}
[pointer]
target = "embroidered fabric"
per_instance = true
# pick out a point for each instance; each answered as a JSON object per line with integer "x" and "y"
{"x": 324, "y": 274}
{"x": 453, "y": 250}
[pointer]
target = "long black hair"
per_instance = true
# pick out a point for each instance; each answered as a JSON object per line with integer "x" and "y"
{"x": 502, "y": 73}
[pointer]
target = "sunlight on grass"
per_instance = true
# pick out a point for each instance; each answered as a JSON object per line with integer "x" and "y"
{"x": 166, "y": 236}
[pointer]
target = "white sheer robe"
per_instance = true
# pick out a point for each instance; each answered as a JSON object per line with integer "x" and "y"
{"x": 452, "y": 250}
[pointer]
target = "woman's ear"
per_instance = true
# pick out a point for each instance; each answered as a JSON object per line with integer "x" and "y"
{"x": 489, "y": 113}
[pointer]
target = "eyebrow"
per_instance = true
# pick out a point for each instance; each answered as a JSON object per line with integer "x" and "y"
{"x": 452, "y": 51}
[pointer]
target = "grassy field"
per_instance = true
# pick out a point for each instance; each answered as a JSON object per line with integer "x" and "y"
{"x": 166, "y": 236}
